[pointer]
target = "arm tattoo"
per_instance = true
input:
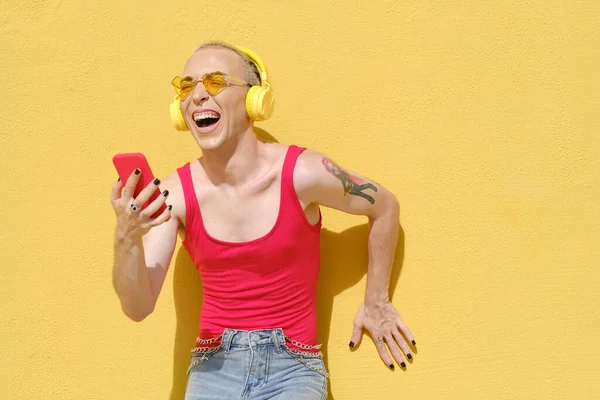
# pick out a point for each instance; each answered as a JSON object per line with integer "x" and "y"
{"x": 352, "y": 184}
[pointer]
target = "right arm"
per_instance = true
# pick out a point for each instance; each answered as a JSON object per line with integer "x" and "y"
{"x": 143, "y": 249}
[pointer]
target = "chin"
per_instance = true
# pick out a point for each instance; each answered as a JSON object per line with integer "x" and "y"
{"x": 211, "y": 141}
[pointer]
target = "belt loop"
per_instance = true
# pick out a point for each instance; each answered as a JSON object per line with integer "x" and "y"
{"x": 277, "y": 336}
{"x": 227, "y": 339}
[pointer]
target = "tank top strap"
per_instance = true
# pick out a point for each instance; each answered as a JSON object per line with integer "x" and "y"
{"x": 287, "y": 175}
{"x": 191, "y": 202}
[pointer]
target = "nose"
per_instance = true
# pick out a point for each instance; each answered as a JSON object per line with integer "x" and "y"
{"x": 199, "y": 94}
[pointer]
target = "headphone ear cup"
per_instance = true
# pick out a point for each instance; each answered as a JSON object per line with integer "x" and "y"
{"x": 260, "y": 103}
{"x": 177, "y": 117}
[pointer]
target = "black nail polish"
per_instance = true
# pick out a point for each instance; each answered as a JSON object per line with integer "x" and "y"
{"x": 403, "y": 364}
{"x": 351, "y": 344}
{"x": 409, "y": 356}
{"x": 137, "y": 171}
{"x": 170, "y": 207}
{"x": 391, "y": 366}
{"x": 414, "y": 343}
{"x": 166, "y": 193}
{"x": 119, "y": 180}
{"x": 156, "y": 181}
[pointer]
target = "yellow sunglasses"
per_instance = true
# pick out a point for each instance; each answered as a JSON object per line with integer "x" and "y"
{"x": 214, "y": 83}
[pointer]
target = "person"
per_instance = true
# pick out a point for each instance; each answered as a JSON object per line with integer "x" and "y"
{"x": 250, "y": 211}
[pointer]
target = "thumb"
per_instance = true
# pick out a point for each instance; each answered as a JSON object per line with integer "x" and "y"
{"x": 356, "y": 334}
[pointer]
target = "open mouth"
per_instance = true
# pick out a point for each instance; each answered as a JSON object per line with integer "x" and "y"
{"x": 206, "y": 119}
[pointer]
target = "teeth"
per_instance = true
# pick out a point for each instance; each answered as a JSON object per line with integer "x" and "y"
{"x": 198, "y": 117}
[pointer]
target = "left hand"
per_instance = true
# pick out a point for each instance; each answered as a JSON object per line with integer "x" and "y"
{"x": 384, "y": 324}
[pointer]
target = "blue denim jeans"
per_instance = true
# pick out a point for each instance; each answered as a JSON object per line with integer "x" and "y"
{"x": 255, "y": 365}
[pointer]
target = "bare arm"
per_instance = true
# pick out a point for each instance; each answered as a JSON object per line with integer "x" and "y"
{"x": 140, "y": 268}
{"x": 320, "y": 180}
{"x": 143, "y": 248}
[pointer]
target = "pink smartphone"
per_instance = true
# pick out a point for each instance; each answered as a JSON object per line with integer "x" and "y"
{"x": 125, "y": 164}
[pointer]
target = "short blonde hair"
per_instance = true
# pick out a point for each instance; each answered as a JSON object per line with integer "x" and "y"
{"x": 250, "y": 68}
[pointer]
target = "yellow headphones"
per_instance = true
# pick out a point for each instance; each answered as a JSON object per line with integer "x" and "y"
{"x": 259, "y": 100}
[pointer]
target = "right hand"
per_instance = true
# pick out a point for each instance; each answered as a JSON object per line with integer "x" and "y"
{"x": 137, "y": 223}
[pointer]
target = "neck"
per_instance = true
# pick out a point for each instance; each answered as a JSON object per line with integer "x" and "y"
{"x": 235, "y": 161}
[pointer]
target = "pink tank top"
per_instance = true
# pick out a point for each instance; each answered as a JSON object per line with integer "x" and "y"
{"x": 266, "y": 283}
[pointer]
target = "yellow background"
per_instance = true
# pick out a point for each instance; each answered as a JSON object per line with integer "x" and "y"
{"x": 482, "y": 116}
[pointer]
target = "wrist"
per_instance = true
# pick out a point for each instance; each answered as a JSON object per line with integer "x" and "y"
{"x": 126, "y": 238}
{"x": 376, "y": 300}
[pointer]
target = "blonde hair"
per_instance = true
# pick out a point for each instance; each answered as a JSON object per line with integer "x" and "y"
{"x": 250, "y": 68}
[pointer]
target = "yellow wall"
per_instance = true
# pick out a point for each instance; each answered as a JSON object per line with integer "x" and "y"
{"x": 479, "y": 115}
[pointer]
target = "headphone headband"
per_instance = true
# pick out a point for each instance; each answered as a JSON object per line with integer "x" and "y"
{"x": 262, "y": 69}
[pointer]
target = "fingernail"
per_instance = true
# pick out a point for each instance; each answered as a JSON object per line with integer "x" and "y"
{"x": 392, "y": 366}
{"x": 409, "y": 356}
{"x": 351, "y": 344}
{"x": 166, "y": 193}
{"x": 170, "y": 206}
{"x": 403, "y": 364}
{"x": 137, "y": 171}
{"x": 414, "y": 343}
{"x": 119, "y": 180}
{"x": 156, "y": 181}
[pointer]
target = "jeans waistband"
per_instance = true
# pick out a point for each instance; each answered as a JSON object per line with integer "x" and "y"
{"x": 234, "y": 337}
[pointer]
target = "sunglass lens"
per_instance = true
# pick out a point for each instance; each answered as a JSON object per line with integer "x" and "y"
{"x": 176, "y": 84}
{"x": 214, "y": 83}
{"x": 186, "y": 86}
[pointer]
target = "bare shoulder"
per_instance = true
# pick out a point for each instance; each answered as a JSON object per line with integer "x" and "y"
{"x": 307, "y": 169}
{"x": 172, "y": 183}
{"x": 273, "y": 154}
{"x": 276, "y": 151}
{"x": 318, "y": 179}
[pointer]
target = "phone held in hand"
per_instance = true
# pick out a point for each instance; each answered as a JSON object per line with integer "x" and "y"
{"x": 126, "y": 163}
